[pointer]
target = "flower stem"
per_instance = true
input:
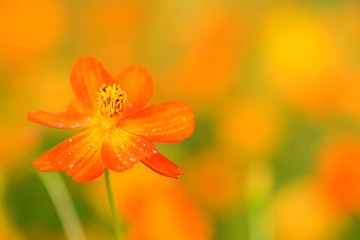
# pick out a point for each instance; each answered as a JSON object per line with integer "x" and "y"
{"x": 115, "y": 220}
{"x": 63, "y": 204}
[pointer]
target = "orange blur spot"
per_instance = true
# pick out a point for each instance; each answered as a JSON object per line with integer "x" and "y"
{"x": 28, "y": 28}
{"x": 207, "y": 65}
{"x": 251, "y": 126}
{"x": 339, "y": 172}
{"x": 300, "y": 213}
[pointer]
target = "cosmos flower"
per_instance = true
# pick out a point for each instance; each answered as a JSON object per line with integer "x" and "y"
{"x": 119, "y": 130}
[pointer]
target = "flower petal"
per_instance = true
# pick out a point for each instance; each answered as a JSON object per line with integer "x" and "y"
{"x": 87, "y": 76}
{"x": 158, "y": 163}
{"x": 74, "y": 117}
{"x": 79, "y": 156}
{"x": 64, "y": 120}
{"x": 167, "y": 122}
{"x": 121, "y": 150}
{"x": 137, "y": 84}
{"x": 44, "y": 164}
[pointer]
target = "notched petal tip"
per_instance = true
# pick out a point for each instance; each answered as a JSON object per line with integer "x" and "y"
{"x": 31, "y": 116}
{"x": 88, "y": 178}
{"x": 43, "y": 164}
{"x": 161, "y": 165}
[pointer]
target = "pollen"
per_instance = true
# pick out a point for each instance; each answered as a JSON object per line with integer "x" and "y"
{"x": 111, "y": 100}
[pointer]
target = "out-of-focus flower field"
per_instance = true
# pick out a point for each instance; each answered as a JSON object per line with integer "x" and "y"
{"x": 275, "y": 86}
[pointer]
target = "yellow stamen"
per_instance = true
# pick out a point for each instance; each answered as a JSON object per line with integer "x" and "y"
{"x": 111, "y": 100}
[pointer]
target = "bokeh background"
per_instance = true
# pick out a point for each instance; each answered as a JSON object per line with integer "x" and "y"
{"x": 276, "y": 90}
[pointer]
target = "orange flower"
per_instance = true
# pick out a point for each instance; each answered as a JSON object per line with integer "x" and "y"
{"x": 119, "y": 131}
{"x": 339, "y": 172}
{"x": 312, "y": 217}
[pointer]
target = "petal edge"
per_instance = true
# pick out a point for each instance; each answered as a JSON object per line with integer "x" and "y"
{"x": 60, "y": 120}
{"x": 87, "y": 75}
{"x": 138, "y": 85}
{"x": 167, "y": 122}
{"x": 160, "y": 164}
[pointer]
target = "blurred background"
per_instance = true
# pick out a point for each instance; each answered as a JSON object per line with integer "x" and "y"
{"x": 276, "y": 90}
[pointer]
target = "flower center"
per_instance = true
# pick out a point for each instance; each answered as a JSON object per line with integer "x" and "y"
{"x": 111, "y": 100}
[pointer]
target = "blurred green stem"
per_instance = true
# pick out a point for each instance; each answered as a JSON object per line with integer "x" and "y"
{"x": 115, "y": 219}
{"x": 56, "y": 188}
{"x": 259, "y": 191}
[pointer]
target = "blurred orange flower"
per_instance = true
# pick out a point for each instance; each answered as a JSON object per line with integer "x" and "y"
{"x": 339, "y": 172}
{"x": 217, "y": 185}
{"x": 166, "y": 211}
{"x": 301, "y": 213}
{"x": 11, "y": 141}
{"x": 23, "y": 32}
{"x": 116, "y": 26}
{"x": 208, "y": 62}
{"x": 119, "y": 131}
{"x": 259, "y": 125}
{"x": 349, "y": 101}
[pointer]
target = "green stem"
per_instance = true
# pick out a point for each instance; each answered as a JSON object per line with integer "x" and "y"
{"x": 63, "y": 204}
{"x": 115, "y": 220}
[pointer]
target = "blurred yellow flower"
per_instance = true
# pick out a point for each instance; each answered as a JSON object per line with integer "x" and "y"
{"x": 302, "y": 61}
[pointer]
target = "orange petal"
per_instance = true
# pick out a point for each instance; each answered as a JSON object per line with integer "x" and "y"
{"x": 74, "y": 117}
{"x": 79, "y": 156}
{"x": 137, "y": 84}
{"x": 44, "y": 164}
{"x": 121, "y": 150}
{"x": 167, "y": 122}
{"x": 87, "y": 75}
{"x": 61, "y": 120}
{"x": 158, "y": 163}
